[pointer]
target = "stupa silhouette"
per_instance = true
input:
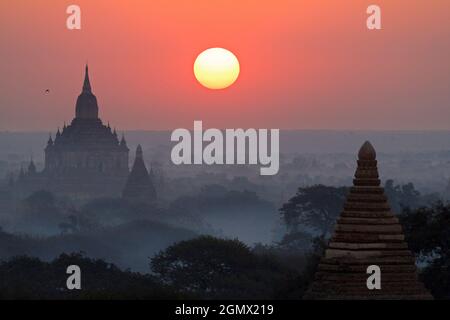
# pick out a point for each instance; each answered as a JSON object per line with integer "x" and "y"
{"x": 367, "y": 233}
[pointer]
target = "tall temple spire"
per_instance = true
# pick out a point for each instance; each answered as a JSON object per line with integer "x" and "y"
{"x": 87, "y": 107}
{"x": 367, "y": 233}
{"x": 87, "y": 83}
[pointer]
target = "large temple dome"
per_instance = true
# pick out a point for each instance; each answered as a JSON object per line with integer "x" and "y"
{"x": 86, "y": 157}
{"x": 87, "y": 131}
{"x": 86, "y": 160}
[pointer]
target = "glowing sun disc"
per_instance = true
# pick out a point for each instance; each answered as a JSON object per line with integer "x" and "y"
{"x": 216, "y": 68}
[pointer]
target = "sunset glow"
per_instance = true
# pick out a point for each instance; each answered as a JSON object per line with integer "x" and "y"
{"x": 304, "y": 64}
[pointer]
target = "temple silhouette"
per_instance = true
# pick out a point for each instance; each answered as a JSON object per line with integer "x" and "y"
{"x": 87, "y": 160}
{"x": 367, "y": 233}
{"x": 139, "y": 186}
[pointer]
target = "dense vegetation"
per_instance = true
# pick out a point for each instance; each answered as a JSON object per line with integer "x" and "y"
{"x": 205, "y": 267}
{"x": 30, "y": 278}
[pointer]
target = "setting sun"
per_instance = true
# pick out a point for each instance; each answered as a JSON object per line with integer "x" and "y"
{"x": 216, "y": 68}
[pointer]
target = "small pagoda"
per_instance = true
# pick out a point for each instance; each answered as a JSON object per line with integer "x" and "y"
{"x": 367, "y": 233}
{"x": 139, "y": 186}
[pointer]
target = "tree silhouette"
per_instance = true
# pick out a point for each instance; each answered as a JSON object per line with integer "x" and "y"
{"x": 316, "y": 207}
{"x": 427, "y": 230}
{"x": 401, "y": 196}
{"x": 215, "y": 268}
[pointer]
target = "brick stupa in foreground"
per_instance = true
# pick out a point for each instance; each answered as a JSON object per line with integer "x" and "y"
{"x": 367, "y": 233}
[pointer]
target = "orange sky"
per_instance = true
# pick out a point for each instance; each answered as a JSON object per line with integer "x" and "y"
{"x": 305, "y": 64}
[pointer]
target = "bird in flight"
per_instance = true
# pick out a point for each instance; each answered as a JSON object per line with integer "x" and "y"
{"x": 47, "y": 91}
